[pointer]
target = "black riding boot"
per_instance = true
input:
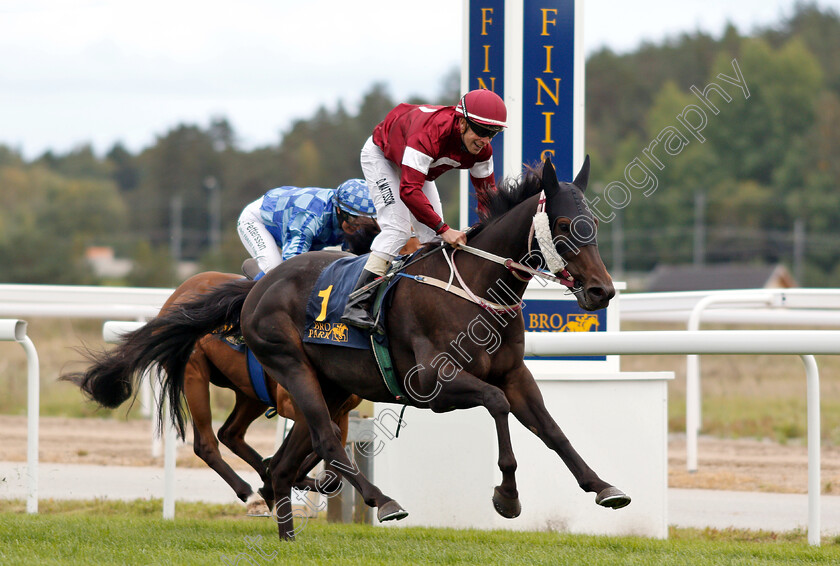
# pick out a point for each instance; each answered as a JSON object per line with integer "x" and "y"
{"x": 357, "y": 311}
{"x": 251, "y": 269}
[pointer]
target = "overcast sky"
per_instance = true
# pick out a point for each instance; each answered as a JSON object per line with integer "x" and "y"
{"x": 102, "y": 71}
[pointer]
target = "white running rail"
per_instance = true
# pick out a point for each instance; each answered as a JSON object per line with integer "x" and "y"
{"x": 790, "y": 307}
{"x": 15, "y": 330}
{"x": 804, "y": 343}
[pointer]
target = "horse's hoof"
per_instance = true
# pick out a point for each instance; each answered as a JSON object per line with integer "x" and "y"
{"x": 267, "y": 494}
{"x": 391, "y": 511}
{"x": 255, "y": 506}
{"x": 613, "y": 498}
{"x": 507, "y": 507}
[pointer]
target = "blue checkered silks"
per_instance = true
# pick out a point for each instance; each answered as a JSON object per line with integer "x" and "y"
{"x": 354, "y": 198}
{"x": 302, "y": 219}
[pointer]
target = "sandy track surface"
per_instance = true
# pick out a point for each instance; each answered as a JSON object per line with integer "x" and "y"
{"x": 112, "y": 442}
{"x": 741, "y": 465}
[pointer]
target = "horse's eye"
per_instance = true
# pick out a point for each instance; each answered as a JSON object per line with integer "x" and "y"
{"x": 564, "y": 226}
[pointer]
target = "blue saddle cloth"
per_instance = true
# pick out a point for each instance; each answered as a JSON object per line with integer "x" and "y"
{"x": 326, "y": 305}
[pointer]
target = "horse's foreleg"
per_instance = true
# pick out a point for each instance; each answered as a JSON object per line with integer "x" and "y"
{"x": 527, "y": 405}
{"x": 466, "y": 391}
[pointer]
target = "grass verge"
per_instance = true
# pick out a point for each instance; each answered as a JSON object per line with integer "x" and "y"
{"x": 102, "y": 532}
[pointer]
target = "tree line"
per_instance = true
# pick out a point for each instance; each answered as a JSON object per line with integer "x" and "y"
{"x": 763, "y": 181}
{"x": 760, "y": 171}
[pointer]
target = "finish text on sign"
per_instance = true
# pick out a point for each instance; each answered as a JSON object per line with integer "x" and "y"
{"x": 548, "y": 83}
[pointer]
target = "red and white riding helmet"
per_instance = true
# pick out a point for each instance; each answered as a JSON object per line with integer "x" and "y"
{"x": 483, "y": 107}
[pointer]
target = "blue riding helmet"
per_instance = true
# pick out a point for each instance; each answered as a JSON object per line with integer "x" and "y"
{"x": 354, "y": 198}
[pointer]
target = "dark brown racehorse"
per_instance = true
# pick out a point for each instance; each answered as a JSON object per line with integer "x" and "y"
{"x": 109, "y": 381}
{"x": 423, "y": 324}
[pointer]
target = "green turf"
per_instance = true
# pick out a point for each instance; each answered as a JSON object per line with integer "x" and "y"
{"x": 100, "y": 532}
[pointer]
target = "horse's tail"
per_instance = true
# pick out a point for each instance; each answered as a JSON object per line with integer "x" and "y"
{"x": 166, "y": 341}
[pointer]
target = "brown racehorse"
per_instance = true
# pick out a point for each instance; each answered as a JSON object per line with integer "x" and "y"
{"x": 213, "y": 361}
{"x": 425, "y": 324}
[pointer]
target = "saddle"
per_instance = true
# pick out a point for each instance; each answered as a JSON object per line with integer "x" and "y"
{"x": 326, "y": 305}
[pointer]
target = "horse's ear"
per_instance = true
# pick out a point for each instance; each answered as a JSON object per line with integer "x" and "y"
{"x": 549, "y": 177}
{"x": 582, "y": 179}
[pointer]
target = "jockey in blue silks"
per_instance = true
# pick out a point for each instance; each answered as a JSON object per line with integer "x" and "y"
{"x": 288, "y": 221}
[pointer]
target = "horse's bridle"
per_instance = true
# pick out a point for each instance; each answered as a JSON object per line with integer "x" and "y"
{"x": 554, "y": 261}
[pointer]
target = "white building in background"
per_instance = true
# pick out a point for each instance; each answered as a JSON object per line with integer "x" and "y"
{"x": 106, "y": 265}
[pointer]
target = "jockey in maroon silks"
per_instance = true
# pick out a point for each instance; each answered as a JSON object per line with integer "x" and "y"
{"x": 408, "y": 150}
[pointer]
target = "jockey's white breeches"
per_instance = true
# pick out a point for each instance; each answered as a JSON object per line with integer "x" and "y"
{"x": 257, "y": 239}
{"x": 393, "y": 216}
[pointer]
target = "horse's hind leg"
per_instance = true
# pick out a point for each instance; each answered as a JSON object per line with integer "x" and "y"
{"x": 284, "y": 467}
{"x": 232, "y": 433}
{"x": 527, "y": 405}
{"x": 298, "y": 377}
{"x": 331, "y": 482}
{"x": 205, "y": 444}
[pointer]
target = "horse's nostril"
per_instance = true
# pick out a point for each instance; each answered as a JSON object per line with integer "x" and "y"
{"x": 596, "y": 292}
{"x": 600, "y": 295}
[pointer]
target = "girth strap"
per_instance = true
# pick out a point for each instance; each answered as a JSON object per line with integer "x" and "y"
{"x": 381, "y": 353}
{"x": 257, "y": 377}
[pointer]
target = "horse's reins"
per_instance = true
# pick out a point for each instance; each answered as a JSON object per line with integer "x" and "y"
{"x": 554, "y": 261}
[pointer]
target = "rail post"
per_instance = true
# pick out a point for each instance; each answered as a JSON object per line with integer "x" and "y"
{"x": 693, "y": 403}
{"x": 15, "y": 330}
{"x": 112, "y": 333}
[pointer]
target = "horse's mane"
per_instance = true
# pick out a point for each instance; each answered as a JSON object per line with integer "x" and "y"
{"x": 509, "y": 193}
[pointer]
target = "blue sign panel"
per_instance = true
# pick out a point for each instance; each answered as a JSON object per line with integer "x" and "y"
{"x": 487, "y": 69}
{"x": 548, "y": 57}
{"x": 562, "y": 316}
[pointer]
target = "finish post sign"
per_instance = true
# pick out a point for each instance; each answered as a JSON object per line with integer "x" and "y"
{"x": 529, "y": 52}
{"x": 548, "y": 80}
{"x": 551, "y": 308}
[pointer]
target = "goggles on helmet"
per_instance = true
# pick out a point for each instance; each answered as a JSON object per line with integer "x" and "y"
{"x": 481, "y": 130}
